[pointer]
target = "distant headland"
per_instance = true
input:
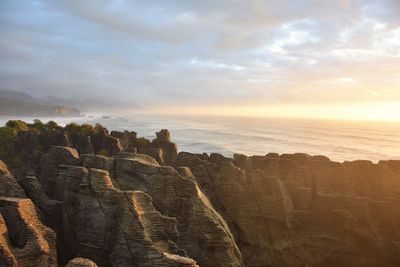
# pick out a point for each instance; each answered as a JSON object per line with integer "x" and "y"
{"x": 22, "y": 104}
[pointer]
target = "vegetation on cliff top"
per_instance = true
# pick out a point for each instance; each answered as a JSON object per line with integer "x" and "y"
{"x": 86, "y": 128}
{"x": 8, "y": 137}
{"x": 11, "y": 136}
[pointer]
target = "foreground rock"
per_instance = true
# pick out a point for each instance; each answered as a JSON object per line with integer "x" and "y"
{"x": 203, "y": 233}
{"x": 8, "y": 185}
{"x": 24, "y": 240}
{"x": 116, "y": 228}
{"x": 298, "y": 210}
{"x": 130, "y": 209}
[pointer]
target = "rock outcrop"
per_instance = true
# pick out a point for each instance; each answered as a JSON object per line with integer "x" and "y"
{"x": 70, "y": 206}
{"x": 50, "y": 165}
{"x": 80, "y": 262}
{"x": 298, "y": 210}
{"x": 8, "y": 186}
{"x": 22, "y": 145}
{"x": 181, "y": 198}
{"x": 24, "y": 240}
{"x": 130, "y": 211}
{"x": 114, "y": 227}
{"x": 169, "y": 150}
{"x": 127, "y": 140}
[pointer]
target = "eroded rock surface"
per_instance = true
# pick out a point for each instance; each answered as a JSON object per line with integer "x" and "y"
{"x": 298, "y": 210}
{"x": 169, "y": 150}
{"x": 204, "y": 234}
{"x": 114, "y": 227}
{"x": 24, "y": 240}
{"x": 8, "y": 185}
{"x": 50, "y": 165}
{"x": 129, "y": 209}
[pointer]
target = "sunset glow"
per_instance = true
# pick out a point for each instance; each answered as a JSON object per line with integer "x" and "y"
{"x": 324, "y": 59}
{"x": 369, "y": 111}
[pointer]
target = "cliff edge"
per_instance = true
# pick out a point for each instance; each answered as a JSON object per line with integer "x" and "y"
{"x": 81, "y": 196}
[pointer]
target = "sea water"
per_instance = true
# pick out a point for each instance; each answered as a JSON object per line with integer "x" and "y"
{"x": 339, "y": 140}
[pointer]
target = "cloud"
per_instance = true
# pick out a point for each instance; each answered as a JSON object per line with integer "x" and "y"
{"x": 202, "y": 52}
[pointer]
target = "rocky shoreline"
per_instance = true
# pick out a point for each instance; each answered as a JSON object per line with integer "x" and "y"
{"x": 83, "y": 196}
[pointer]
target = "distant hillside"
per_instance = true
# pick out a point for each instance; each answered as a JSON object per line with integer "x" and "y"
{"x": 13, "y": 95}
{"x": 13, "y": 107}
{"x": 84, "y": 104}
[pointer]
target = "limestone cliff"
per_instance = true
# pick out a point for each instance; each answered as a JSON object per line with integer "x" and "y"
{"x": 9, "y": 187}
{"x": 67, "y": 205}
{"x": 293, "y": 210}
{"x": 24, "y": 240}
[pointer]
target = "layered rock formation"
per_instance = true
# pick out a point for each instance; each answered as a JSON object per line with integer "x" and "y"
{"x": 168, "y": 150}
{"x": 152, "y": 216}
{"x": 116, "y": 228}
{"x": 69, "y": 206}
{"x": 180, "y": 198}
{"x": 9, "y": 187}
{"x": 293, "y": 210}
{"x": 22, "y": 145}
{"x": 24, "y": 240}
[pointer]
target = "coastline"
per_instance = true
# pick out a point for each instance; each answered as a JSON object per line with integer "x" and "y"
{"x": 340, "y": 141}
{"x": 269, "y": 210}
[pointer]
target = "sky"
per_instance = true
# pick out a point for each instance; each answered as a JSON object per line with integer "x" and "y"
{"x": 305, "y": 58}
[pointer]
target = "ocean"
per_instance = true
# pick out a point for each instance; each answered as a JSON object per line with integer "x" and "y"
{"x": 339, "y": 140}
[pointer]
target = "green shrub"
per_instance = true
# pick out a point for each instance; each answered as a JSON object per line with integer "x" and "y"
{"x": 17, "y": 125}
{"x": 52, "y": 125}
{"x": 142, "y": 142}
{"x": 73, "y": 127}
{"x": 103, "y": 152}
{"x": 8, "y": 138}
{"x": 100, "y": 128}
{"x": 85, "y": 128}
{"x": 88, "y": 129}
{"x": 38, "y": 125}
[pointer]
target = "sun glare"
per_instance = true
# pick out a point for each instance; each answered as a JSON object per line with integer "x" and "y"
{"x": 368, "y": 111}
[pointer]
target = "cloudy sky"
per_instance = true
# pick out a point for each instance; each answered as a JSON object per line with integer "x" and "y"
{"x": 225, "y": 54}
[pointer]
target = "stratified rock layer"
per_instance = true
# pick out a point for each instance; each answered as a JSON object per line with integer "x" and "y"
{"x": 8, "y": 186}
{"x": 135, "y": 210}
{"x": 114, "y": 227}
{"x": 50, "y": 168}
{"x": 203, "y": 232}
{"x": 298, "y": 210}
{"x": 24, "y": 240}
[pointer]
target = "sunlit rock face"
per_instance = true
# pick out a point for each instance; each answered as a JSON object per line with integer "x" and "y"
{"x": 203, "y": 233}
{"x": 24, "y": 240}
{"x": 129, "y": 211}
{"x": 114, "y": 227}
{"x": 8, "y": 185}
{"x": 298, "y": 210}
